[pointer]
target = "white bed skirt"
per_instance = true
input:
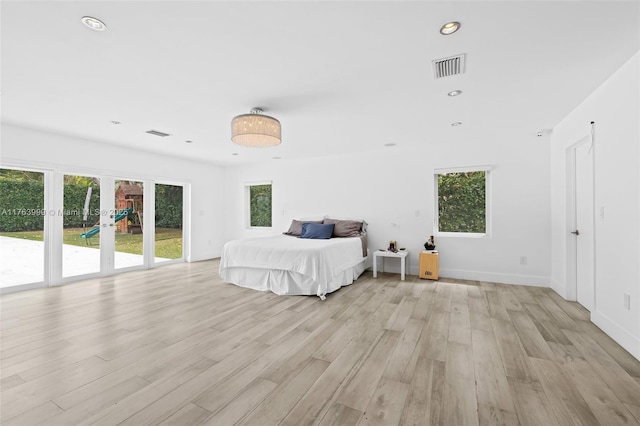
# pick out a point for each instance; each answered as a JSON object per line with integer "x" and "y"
{"x": 289, "y": 282}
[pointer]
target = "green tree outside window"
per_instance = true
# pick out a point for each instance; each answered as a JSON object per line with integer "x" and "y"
{"x": 462, "y": 202}
{"x": 260, "y": 205}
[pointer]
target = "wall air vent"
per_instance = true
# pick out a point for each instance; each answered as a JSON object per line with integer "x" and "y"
{"x": 157, "y": 133}
{"x": 446, "y": 67}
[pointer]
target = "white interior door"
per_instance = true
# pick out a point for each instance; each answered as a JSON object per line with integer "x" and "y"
{"x": 585, "y": 247}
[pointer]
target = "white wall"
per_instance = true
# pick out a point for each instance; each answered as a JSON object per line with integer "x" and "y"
{"x": 615, "y": 108}
{"x": 392, "y": 189}
{"x": 37, "y": 149}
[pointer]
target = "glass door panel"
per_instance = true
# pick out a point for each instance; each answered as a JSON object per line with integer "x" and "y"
{"x": 81, "y": 225}
{"x": 168, "y": 223}
{"x": 22, "y": 217}
{"x": 129, "y": 220}
{"x": 94, "y": 226}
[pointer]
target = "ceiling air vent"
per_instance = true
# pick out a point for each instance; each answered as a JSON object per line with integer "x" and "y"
{"x": 157, "y": 133}
{"x": 446, "y": 67}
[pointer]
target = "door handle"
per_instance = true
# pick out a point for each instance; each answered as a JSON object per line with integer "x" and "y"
{"x": 576, "y": 232}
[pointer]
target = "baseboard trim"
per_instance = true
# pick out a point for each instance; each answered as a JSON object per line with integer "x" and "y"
{"x": 532, "y": 280}
{"x": 629, "y": 342}
{"x": 206, "y": 256}
{"x": 559, "y": 288}
{"x": 21, "y": 287}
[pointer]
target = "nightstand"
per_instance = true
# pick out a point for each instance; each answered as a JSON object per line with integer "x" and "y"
{"x": 402, "y": 255}
{"x": 429, "y": 265}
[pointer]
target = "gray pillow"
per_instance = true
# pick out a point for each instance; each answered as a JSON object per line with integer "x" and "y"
{"x": 296, "y": 226}
{"x": 345, "y": 228}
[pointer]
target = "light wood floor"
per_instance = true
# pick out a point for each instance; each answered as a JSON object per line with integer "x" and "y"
{"x": 176, "y": 345}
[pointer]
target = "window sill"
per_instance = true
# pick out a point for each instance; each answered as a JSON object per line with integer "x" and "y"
{"x": 461, "y": 235}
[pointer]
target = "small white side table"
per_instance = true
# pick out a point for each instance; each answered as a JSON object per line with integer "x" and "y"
{"x": 402, "y": 255}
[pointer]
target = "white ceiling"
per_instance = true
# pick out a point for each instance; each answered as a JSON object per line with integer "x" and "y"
{"x": 340, "y": 76}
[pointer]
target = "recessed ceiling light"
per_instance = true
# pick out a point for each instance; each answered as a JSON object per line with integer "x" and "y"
{"x": 389, "y": 144}
{"x": 115, "y": 122}
{"x": 454, "y": 93}
{"x": 457, "y": 123}
{"x": 234, "y": 153}
{"x": 450, "y": 28}
{"x": 94, "y": 23}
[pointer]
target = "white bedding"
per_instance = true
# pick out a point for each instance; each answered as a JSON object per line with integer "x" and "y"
{"x": 289, "y": 265}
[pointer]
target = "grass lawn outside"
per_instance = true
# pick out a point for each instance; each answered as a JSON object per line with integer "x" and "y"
{"x": 168, "y": 240}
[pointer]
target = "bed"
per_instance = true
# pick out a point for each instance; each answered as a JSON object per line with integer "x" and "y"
{"x": 289, "y": 265}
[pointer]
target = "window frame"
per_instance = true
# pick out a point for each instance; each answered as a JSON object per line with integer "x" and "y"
{"x": 487, "y": 202}
{"x": 247, "y": 203}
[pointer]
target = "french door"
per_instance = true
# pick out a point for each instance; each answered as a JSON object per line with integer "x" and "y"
{"x": 101, "y": 226}
{"x": 23, "y": 219}
{"x": 58, "y": 227}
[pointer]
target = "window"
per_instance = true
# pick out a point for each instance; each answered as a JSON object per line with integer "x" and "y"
{"x": 22, "y": 221}
{"x": 462, "y": 201}
{"x": 169, "y": 219}
{"x": 259, "y": 200}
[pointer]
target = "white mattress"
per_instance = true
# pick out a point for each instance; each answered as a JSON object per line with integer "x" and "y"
{"x": 294, "y": 266}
